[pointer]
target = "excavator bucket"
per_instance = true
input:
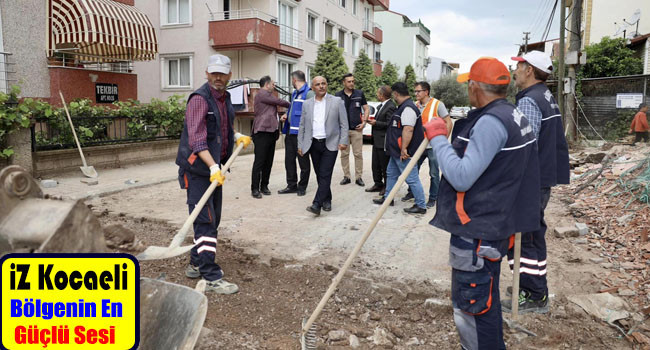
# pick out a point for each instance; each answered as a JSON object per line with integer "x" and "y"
{"x": 171, "y": 315}
{"x": 29, "y": 223}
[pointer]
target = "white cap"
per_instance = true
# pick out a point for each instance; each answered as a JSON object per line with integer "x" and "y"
{"x": 219, "y": 64}
{"x": 537, "y": 59}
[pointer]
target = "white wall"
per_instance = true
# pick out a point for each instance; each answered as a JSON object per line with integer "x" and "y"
{"x": 401, "y": 45}
{"x": 606, "y": 12}
{"x": 245, "y": 63}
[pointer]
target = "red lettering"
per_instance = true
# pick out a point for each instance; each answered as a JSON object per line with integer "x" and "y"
{"x": 80, "y": 338}
{"x": 112, "y": 334}
{"x": 19, "y": 335}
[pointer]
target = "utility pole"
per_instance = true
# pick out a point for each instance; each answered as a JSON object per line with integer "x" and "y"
{"x": 560, "y": 73}
{"x": 526, "y": 37}
{"x": 574, "y": 49}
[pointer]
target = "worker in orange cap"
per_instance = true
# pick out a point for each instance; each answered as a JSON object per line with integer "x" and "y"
{"x": 489, "y": 191}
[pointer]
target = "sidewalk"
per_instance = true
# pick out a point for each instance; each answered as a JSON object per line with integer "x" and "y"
{"x": 112, "y": 180}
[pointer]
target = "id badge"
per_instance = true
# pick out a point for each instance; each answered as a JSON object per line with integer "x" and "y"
{"x": 358, "y": 104}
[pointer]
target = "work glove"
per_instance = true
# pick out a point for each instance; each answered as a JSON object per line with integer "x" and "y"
{"x": 215, "y": 175}
{"x": 435, "y": 127}
{"x": 239, "y": 138}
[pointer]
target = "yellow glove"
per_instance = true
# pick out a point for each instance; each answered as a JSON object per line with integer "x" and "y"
{"x": 239, "y": 138}
{"x": 215, "y": 175}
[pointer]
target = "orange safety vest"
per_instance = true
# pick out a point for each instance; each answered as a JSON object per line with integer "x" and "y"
{"x": 428, "y": 112}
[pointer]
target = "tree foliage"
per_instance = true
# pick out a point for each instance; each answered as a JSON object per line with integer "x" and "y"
{"x": 365, "y": 76}
{"x": 610, "y": 58}
{"x": 450, "y": 92}
{"x": 410, "y": 79}
{"x": 389, "y": 75}
{"x": 331, "y": 65}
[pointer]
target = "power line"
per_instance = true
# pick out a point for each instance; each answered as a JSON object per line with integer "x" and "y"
{"x": 538, "y": 15}
{"x": 539, "y": 22}
{"x": 550, "y": 22}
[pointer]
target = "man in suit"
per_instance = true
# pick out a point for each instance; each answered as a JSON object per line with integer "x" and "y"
{"x": 379, "y": 125}
{"x": 323, "y": 131}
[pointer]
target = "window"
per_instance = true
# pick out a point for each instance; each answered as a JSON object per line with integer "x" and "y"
{"x": 176, "y": 12}
{"x": 355, "y": 6}
{"x": 342, "y": 39}
{"x": 177, "y": 72}
{"x": 312, "y": 25}
{"x": 310, "y": 73}
{"x": 355, "y": 45}
{"x": 366, "y": 20}
{"x": 367, "y": 47}
{"x": 377, "y": 52}
{"x": 288, "y": 34}
{"x": 284, "y": 75}
{"x": 329, "y": 31}
{"x": 342, "y": 3}
{"x": 226, "y": 9}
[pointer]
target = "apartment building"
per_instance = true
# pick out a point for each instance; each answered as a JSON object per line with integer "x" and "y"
{"x": 83, "y": 48}
{"x": 405, "y": 42}
{"x": 261, "y": 37}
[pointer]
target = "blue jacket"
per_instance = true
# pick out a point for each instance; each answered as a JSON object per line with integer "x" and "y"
{"x": 293, "y": 118}
{"x": 394, "y": 133}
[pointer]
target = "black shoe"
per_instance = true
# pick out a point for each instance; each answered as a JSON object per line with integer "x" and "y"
{"x": 327, "y": 206}
{"x": 256, "y": 194}
{"x": 300, "y": 193}
{"x": 383, "y": 191}
{"x": 345, "y": 181}
{"x": 374, "y": 188}
{"x": 381, "y": 201}
{"x": 288, "y": 190}
{"x": 314, "y": 209}
{"x": 526, "y": 304}
{"x": 415, "y": 210}
{"x": 408, "y": 197}
{"x": 265, "y": 191}
{"x": 360, "y": 182}
{"x": 431, "y": 203}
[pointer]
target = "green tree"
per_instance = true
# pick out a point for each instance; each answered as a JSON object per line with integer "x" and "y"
{"x": 610, "y": 58}
{"x": 450, "y": 92}
{"x": 331, "y": 65}
{"x": 388, "y": 75}
{"x": 365, "y": 76}
{"x": 410, "y": 79}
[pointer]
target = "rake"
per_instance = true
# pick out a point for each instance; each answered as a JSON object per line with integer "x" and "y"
{"x": 308, "y": 336}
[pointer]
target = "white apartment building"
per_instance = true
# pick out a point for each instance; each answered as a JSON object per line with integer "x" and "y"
{"x": 261, "y": 37}
{"x": 405, "y": 42}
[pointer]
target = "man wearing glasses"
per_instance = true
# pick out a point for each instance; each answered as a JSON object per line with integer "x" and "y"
{"x": 430, "y": 108}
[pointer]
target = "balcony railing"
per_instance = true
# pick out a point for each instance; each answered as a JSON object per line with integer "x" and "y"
{"x": 368, "y": 25}
{"x": 6, "y": 72}
{"x": 89, "y": 62}
{"x": 242, "y": 14}
{"x": 290, "y": 36}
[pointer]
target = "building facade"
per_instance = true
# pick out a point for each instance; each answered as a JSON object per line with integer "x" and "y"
{"x": 405, "y": 42}
{"x": 615, "y": 19}
{"x": 439, "y": 68}
{"x": 261, "y": 37}
{"x": 82, "y": 48}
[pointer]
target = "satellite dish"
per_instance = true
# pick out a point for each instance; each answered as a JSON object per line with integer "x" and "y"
{"x": 635, "y": 17}
{"x": 619, "y": 29}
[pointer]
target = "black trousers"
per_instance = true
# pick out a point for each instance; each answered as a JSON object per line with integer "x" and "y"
{"x": 264, "y": 152}
{"x": 641, "y": 136}
{"x": 379, "y": 164}
{"x": 323, "y": 160}
{"x": 290, "y": 155}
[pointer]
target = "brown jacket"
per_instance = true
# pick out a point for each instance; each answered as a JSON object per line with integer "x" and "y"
{"x": 266, "y": 111}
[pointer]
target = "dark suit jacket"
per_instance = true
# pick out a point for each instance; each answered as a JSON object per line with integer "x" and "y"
{"x": 383, "y": 118}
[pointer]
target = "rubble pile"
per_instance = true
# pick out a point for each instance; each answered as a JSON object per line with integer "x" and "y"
{"x": 609, "y": 193}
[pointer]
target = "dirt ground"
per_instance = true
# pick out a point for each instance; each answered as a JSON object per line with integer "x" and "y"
{"x": 275, "y": 295}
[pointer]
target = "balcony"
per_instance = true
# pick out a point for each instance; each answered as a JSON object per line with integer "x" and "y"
{"x": 253, "y": 29}
{"x": 423, "y": 32}
{"x": 376, "y": 35}
{"x": 380, "y": 5}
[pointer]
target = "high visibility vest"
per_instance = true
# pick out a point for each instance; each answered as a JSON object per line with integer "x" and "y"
{"x": 428, "y": 112}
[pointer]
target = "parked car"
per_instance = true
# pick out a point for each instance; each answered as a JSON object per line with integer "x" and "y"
{"x": 367, "y": 130}
{"x": 459, "y": 112}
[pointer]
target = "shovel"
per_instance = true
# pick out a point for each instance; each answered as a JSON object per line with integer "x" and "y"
{"x": 88, "y": 171}
{"x": 308, "y": 332}
{"x": 175, "y": 248}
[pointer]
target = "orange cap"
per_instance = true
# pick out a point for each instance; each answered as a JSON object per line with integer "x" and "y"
{"x": 487, "y": 70}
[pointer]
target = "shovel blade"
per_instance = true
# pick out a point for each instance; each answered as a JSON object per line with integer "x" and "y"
{"x": 89, "y": 171}
{"x": 155, "y": 252}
